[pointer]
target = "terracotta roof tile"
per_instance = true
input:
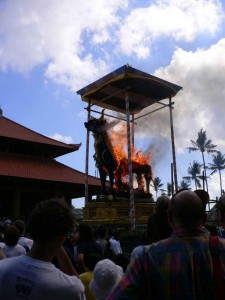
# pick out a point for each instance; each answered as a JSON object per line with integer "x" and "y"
{"x": 13, "y": 130}
{"x": 21, "y": 166}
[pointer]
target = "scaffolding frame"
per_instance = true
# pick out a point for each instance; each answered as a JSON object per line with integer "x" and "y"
{"x": 95, "y": 93}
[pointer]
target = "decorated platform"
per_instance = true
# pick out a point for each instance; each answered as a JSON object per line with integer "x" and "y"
{"x": 116, "y": 213}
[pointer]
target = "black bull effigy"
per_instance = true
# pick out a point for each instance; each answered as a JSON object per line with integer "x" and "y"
{"x": 107, "y": 163}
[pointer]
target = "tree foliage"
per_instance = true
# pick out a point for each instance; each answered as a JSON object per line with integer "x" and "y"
{"x": 157, "y": 183}
{"x": 218, "y": 165}
{"x": 185, "y": 184}
{"x": 202, "y": 144}
{"x": 194, "y": 170}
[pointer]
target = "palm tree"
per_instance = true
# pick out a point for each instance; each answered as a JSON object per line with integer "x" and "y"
{"x": 169, "y": 189}
{"x": 203, "y": 145}
{"x": 218, "y": 165}
{"x": 194, "y": 170}
{"x": 157, "y": 183}
{"x": 185, "y": 184}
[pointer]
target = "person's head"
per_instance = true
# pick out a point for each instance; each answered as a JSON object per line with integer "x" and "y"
{"x": 20, "y": 225}
{"x": 2, "y": 254}
{"x": 187, "y": 208}
{"x": 116, "y": 233}
{"x": 7, "y": 223}
{"x": 162, "y": 204}
{"x": 105, "y": 278}
{"x": 101, "y": 232}
{"x": 221, "y": 210}
{"x": 85, "y": 232}
{"x": 122, "y": 260}
{"x": 50, "y": 219}
{"x": 143, "y": 238}
{"x": 11, "y": 235}
{"x": 91, "y": 260}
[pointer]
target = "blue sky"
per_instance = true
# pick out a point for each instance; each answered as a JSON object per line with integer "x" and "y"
{"x": 51, "y": 49}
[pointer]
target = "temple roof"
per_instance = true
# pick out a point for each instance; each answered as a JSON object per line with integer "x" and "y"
{"x": 43, "y": 169}
{"x": 23, "y": 135}
{"x": 29, "y": 157}
{"x": 24, "y": 166}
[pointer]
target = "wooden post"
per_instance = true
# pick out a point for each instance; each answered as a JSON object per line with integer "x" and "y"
{"x": 87, "y": 156}
{"x": 173, "y": 146}
{"x": 172, "y": 181}
{"x": 131, "y": 189}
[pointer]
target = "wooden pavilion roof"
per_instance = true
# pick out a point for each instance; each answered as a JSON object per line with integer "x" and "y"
{"x": 143, "y": 89}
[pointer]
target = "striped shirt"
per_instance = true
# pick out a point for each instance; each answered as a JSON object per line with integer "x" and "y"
{"x": 177, "y": 268}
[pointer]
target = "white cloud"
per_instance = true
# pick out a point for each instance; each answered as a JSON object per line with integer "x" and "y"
{"x": 70, "y": 38}
{"x": 214, "y": 185}
{"x": 174, "y": 19}
{"x": 55, "y": 33}
{"x": 61, "y": 138}
{"x": 201, "y": 102}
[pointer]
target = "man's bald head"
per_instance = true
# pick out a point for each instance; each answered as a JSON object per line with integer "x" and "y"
{"x": 187, "y": 209}
{"x": 221, "y": 210}
{"x": 221, "y": 203}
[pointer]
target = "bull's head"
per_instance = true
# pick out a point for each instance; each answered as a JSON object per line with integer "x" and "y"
{"x": 96, "y": 125}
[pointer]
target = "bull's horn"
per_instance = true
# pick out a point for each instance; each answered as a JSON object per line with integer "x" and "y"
{"x": 102, "y": 115}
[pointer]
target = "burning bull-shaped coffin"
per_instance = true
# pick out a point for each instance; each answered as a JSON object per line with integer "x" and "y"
{"x": 108, "y": 164}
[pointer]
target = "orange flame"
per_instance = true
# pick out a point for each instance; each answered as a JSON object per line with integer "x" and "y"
{"x": 118, "y": 139}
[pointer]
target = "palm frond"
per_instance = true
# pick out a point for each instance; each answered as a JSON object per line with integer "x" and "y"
{"x": 187, "y": 177}
{"x": 213, "y": 172}
{"x": 211, "y": 151}
{"x": 192, "y": 149}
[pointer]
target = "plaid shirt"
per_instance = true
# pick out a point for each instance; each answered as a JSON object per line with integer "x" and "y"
{"x": 177, "y": 268}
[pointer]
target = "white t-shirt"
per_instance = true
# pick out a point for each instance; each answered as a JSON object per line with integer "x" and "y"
{"x": 26, "y": 278}
{"x": 13, "y": 251}
{"x": 24, "y": 241}
{"x": 115, "y": 246}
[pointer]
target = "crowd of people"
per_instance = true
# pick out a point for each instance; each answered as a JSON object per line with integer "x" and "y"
{"x": 53, "y": 257}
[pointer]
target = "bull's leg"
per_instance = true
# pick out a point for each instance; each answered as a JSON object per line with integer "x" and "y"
{"x": 147, "y": 185}
{"x": 103, "y": 175}
{"x": 111, "y": 166}
{"x": 111, "y": 180}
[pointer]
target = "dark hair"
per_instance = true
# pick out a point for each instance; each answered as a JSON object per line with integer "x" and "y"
{"x": 122, "y": 260}
{"x": 101, "y": 231}
{"x": 85, "y": 232}
{"x": 49, "y": 219}
{"x": 162, "y": 204}
{"x": 11, "y": 235}
{"x": 91, "y": 260}
{"x": 221, "y": 203}
{"x": 20, "y": 225}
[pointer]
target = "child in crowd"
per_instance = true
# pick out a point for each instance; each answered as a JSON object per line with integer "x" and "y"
{"x": 90, "y": 262}
{"x": 10, "y": 245}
